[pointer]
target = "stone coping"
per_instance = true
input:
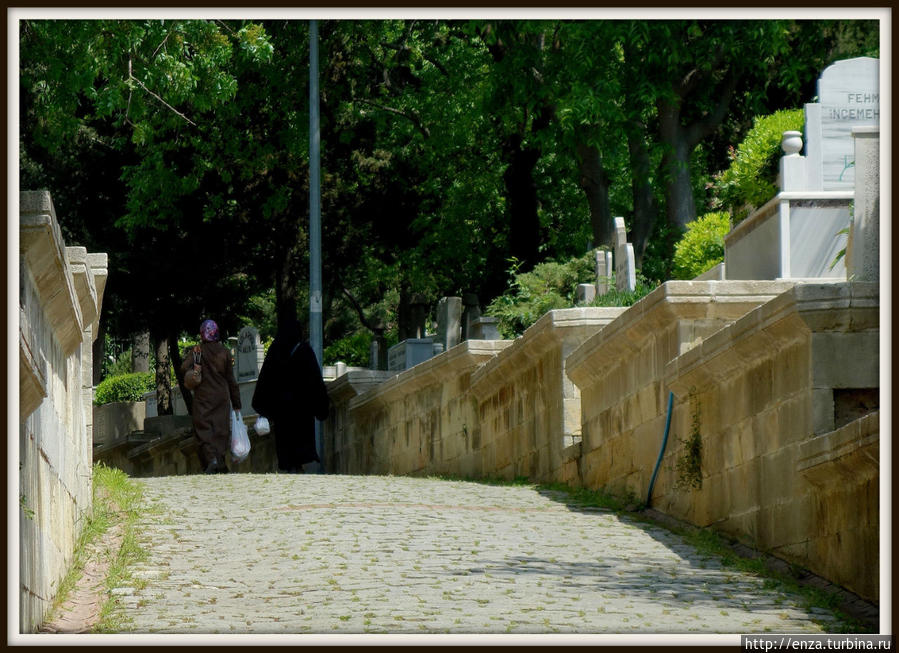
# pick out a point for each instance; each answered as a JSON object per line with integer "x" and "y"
{"x": 769, "y": 209}
{"x": 356, "y": 382}
{"x": 844, "y": 454}
{"x": 84, "y": 283}
{"x": 466, "y": 355}
{"x": 817, "y": 307}
{"x": 671, "y": 302}
{"x": 552, "y": 329}
{"x": 41, "y": 242}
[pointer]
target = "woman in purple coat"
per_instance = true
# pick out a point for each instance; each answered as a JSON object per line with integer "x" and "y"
{"x": 291, "y": 393}
{"x": 214, "y": 399}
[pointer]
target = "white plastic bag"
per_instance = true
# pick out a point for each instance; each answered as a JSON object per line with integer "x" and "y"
{"x": 240, "y": 440}
{"x": 262, "y": 426}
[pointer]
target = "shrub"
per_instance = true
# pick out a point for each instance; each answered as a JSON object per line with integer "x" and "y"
{"x": 751, "y": 179}
{"x": 548, "y": 286}
{"x": 617, "y": 297}
{"x": 702, "y": 246}
{"x": 125, "y": 387}
{"x": 354, "y": 350}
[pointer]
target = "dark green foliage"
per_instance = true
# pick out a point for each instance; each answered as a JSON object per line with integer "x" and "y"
{"x": 448, "y": 148}
{"x": 751, "y": 179}
{"x": 354, "y": 350}
{"x": 126, "y": 387}
{"x": 702, "y": 247}
{"x": 617, "y": 297}
{"x": 547, "y": 286}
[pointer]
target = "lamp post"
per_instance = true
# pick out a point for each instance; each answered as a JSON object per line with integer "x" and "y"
{"x": 315, "y": 232}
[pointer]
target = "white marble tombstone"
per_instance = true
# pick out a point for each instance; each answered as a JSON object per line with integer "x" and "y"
{"x": 848, "y": 97}
{"x": 625, "y": 263}
{"x": 250, "y": 354}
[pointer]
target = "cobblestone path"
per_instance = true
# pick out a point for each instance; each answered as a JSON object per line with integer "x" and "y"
{"x": 260, "y": 554}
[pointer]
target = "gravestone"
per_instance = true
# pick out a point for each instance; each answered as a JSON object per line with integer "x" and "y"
{"x": 848, "y": 97}
{"x": 485, "y": 328}
{"x": 603, "y": 271}
{"x": 418, "y": 314}
{"x": 470, "y": 313}
{"x": 586, "y": 293}
{"x": 378, "y": 350}
{"x": 625, "y": 264}
{"x": 449, "y": 322}
{"x": 409, "y": 353}
{"x": 250, "y": 354}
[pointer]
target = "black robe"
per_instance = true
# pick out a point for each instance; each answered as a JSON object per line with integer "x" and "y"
{"x": 291, "y": 393}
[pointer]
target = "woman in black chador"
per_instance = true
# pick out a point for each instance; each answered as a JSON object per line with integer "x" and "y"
{"x": 291, "y": 393}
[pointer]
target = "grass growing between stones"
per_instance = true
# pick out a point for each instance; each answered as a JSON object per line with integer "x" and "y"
{"x": 115, "y": 499}
{"x": 119, "y": 497}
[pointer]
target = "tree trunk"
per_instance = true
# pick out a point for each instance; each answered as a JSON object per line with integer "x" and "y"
{"x": 521, "y": 196}
{"x": 644, "y": 199}
{"x": 176, "y": 359}
{"x": 163, "y": 381}
{"x": 98, "y": 354}
{"x": 595, "y": 183}
{"x": 140, "y": 352}
{"x": 286, "y": 288}
{"x": 680, "y": 204}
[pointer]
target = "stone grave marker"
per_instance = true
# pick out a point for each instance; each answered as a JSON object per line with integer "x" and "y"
{"x": 449, "y": 322}
{"x": 625, "y": 264}
{"x": 603, "y": 271}
{"x": 409, "y": 353}
{"x": 250, "y": 354}
{"x": 848, "y": 97}
{"x": 586, "y": 293}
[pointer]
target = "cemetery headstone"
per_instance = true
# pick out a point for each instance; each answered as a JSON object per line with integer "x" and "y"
{"x": 485, "y": 328}
{"x": 848, "y": 97}
{"x": 625, "y": 264}
{"x": 418, "y": 314}
{"x": 449, "y": 322}
{"x": 409, "y": 353}
{"x": 250, "y": 354}
{"x": 603, "y": 271}
{"x": 585, "y": 293}
{"x": 378, "y": 351}
{"x": 470, "y": 313}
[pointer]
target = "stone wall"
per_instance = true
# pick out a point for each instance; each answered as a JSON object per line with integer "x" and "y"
{"x": 420, "y": 421}
{"x": 167, "y": 446}
{"x": 787, "y": 399}
{"x": 783, "y": 376}
{"x": 60, "y": 297}
{"x": 621, "y": 373}
{"x": 529, "y": 412}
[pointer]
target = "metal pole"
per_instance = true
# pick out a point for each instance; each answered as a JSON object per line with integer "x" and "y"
{"x": 315, "y": 232}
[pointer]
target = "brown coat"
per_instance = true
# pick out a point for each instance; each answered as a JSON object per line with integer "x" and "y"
{"x": 214, "y": 399}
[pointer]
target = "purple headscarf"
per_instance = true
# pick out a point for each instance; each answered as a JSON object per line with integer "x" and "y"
{"x": 209, "y": 331}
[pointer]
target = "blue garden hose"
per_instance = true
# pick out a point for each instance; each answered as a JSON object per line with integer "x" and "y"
{"x": 652, "y": 481}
